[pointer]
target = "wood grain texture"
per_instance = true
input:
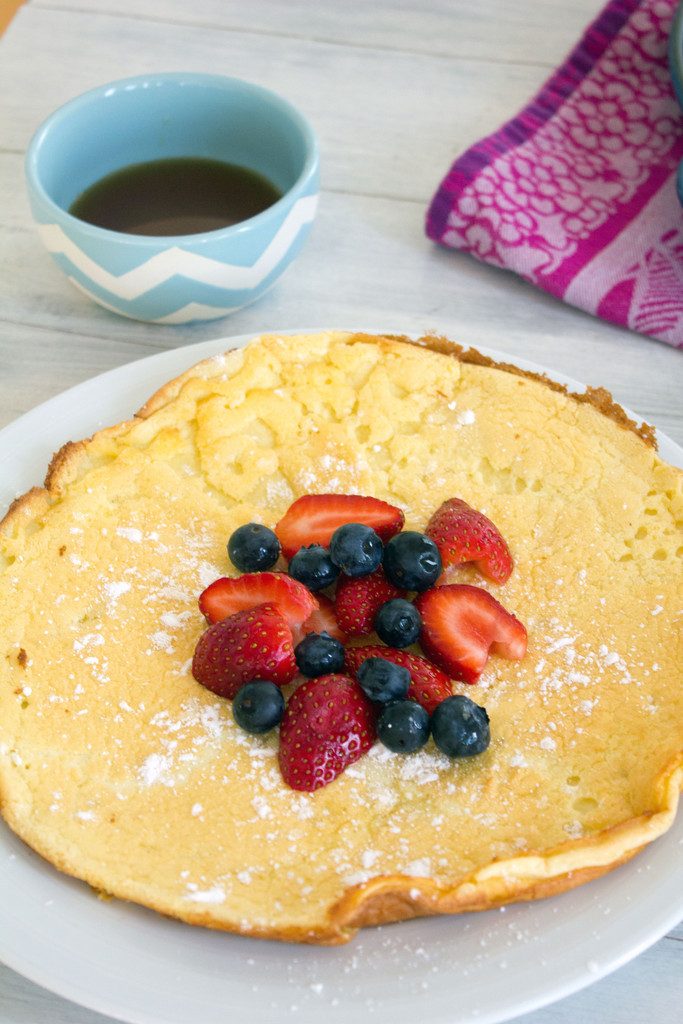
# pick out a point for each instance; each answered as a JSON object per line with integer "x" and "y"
{"x": 400, "y": 283}
{"x": 394, "y": 90}
{"x": 493, "y": 31}
{"x": 372, "y": 142}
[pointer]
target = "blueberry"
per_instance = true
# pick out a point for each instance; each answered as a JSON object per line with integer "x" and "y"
{"x": 253, "y": 548}
{"x": 412, "y": 561}
{"x": 460, "y": 727}
{"x": 318, "y": 654}
{"x": 313, "y": 567}
{"x": 382, "y": 680}
{"x": 398, "y": 622}
{"x": 258, "y": 706}
{"x": 403, "y": 727}
{"x": 356, "y": 549}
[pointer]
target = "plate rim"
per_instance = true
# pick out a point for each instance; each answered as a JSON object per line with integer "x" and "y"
{"x": 196, "y": 352}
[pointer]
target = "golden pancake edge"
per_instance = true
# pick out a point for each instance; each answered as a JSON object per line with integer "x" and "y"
{"x": 120, "y": 769}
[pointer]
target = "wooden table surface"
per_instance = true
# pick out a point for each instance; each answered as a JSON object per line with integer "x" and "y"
{"x": 394, "y": 90}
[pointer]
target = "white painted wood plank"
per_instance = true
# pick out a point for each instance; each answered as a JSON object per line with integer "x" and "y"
{"x": 366, "y": 264}
{"x": 389, "y": 122}
{"x": 490, "y": 30}
{"x": 36, "y": 364}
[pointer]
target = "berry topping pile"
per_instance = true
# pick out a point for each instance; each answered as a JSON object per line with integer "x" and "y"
{"x": 269, "y": 629}
{"x": 226, "y": 596}
{"x": 428, "y": 684}
{"x": 253, "y": 644}
{"x": 314, "y": 518}
{"x": 464, "y": 535}
{"x": 412, "y": 561}
{"x": 253, "y": 548}
{"x": 359, "y": 600}
{"x": 398, "y": 623}
{"x": 461, "y": 624}
{"x": 314, "y": 567}
{"x": 382, "y": 680}
{"x": 319, "y": 654}
{"x": 403, "y": 726}
{"x": 258, "y": 706}
{"x": 328, "y": 724}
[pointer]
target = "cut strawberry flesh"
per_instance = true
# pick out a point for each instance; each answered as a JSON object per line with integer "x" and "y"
{"x": 462, "y": 625}
{"x": 321, "y": 620}
{"x": 313, "y": 518}
{"x": 229, "y": 595}
{"x": 462, "y": 534}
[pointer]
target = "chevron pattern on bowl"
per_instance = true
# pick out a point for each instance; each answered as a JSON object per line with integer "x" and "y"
{"x": 183, "y": 278}
{"x": 177, "y": 285}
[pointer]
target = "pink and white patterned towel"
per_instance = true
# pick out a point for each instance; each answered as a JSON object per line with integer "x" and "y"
{"x": 577, "y": 193}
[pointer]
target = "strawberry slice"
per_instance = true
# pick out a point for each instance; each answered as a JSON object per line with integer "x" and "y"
{"x": 252, "y": 644}
{"x": 328, "y": 724}
{"x": 464, "y": 535}
{"x": 461, "y": 625}
{"x": 228, "y": 595}
{"x": 322, "y": 620}
{"x": 313, "y": 518}
{"x": 359, "y": 598}
{"x": 428, "y": 684}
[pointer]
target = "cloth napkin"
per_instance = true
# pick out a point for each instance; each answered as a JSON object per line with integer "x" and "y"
{"x": 577, "y": 193}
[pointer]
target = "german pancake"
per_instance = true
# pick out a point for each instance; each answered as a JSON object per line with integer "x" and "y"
{"x": 120, "y": 769}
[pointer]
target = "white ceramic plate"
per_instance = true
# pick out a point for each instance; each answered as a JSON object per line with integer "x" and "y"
{"x": 134, "y": 964}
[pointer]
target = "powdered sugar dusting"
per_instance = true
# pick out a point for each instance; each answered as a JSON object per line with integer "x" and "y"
{"x": 89, "y": 640}
{"x": 216, "y": 894}
{"x": 368, "y": 858}
{"x": 130, "y": 533}
{"x": 420, "y": 868}
{"x": 207, "y": 573}
{"x": 175, "y": 620}
{"x": 156, "y": 769}
{"x": 162, "y": 641}
{"x": 113, "y": 590}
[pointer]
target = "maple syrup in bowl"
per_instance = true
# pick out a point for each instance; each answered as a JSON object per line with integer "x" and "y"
{"x": 174, "y": 197}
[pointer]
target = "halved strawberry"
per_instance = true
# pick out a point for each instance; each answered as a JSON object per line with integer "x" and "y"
{"x": 359, "y": 598}
{"x": 328, "y": 724}
{"x": 252, "y": 644}
{"x": 228, "y": 595}
{"x": 464, "y": 535}
{"x": 313, "y": 518}
{"x": 322, "y": 620}
{"x": 462, "y": 624}
{"x": 428, "y": 684}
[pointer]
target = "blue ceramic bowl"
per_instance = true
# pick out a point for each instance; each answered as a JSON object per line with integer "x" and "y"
{"x": 183, "y": 278}
{"x": 676, "y": 67}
